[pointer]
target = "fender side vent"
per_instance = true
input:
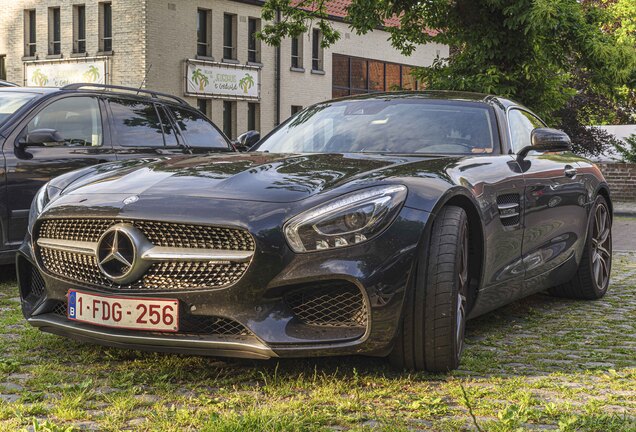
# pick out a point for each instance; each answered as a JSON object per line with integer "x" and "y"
{"x": 509, "y": 206}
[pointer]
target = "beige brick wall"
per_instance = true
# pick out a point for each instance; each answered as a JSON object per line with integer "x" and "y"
{"x": 172, "y": 39}
{"x": 127, "y": 65}
{"x": 305, "y": 88}
{"x": 159, "y": 35}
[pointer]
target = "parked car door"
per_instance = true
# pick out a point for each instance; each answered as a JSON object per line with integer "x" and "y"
{"x": 80, "y": 122}
{"x": 555, "y": 218}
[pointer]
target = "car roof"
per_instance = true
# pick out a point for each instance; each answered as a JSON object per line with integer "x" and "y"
{"x": 129, "y": 93}
{"x": 436, "y": 94}
{"x": 36, "y": 90}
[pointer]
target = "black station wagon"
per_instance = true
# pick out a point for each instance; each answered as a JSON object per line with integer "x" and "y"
{"x": 45, "y": 132}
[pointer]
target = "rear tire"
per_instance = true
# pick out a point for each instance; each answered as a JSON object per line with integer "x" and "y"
{"x": 431, "y": 334}
{"x": 592, "y": 277}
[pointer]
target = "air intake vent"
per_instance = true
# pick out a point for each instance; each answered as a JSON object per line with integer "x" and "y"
{"x": 509, "y": 206}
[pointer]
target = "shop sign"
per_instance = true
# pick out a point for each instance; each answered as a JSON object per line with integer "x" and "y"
{"x": 58, "y": 74}
{"x": 222, "y": 80}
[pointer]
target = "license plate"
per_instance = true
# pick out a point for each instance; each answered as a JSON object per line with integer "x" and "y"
{"x": 131, "y": 313}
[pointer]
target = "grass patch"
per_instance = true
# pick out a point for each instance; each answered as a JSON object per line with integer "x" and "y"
{"x": 541, "y": 361}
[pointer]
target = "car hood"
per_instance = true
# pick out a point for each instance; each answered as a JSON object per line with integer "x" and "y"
{"x": 243, "y": 176}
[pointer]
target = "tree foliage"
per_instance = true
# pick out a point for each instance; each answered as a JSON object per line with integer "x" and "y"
{"x": 627, "y": 150}
{"x": 543, "y": 53}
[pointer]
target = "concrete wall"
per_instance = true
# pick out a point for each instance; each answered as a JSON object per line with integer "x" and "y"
{"x": 621, "y": 178}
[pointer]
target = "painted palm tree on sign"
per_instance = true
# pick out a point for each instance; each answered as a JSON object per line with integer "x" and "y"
{"x": 246, "y": 83}
{"x": 39, "y": 78}
{"x": 92, "y": 74}
{"x": 201, "y": 79}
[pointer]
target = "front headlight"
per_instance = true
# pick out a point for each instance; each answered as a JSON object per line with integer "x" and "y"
{"x": 37, "y": 205}
{"x": 351, "y": 219}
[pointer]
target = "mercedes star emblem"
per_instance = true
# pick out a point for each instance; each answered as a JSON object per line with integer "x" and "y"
{"x": 118, "y": 253}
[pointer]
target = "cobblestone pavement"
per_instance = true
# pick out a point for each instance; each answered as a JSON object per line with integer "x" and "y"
{"x": 539, "y": 364}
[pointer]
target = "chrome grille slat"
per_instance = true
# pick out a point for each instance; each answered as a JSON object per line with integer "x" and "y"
{"x": 165, "y": 275}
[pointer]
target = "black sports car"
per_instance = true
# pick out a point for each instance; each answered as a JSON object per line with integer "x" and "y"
{"x": 369, "y": 225}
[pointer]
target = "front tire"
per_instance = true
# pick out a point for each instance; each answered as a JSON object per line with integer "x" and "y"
{"x": 431, "y": 335}
{"x": 592, "y": 277}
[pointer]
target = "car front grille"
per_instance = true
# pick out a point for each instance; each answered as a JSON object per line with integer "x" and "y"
{"x": 159, "y": 233}
{"x": 190, "y": 324}
{"x": 338, "y": 304}
{"x": 161, "y": 276}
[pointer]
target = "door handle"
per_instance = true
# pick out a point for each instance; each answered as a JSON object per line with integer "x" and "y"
{"x": 570, "y": 171}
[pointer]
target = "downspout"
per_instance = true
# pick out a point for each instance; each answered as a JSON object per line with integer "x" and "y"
{"x": 277, "y": 84}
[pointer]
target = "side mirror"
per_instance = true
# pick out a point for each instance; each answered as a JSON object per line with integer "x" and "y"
{"x": 42, "y": 137}
{"x": 546, "y": 140}
{"x": 247, "y": 140}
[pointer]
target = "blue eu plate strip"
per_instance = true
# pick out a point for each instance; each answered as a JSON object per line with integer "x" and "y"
{"x": 72, "y": 310}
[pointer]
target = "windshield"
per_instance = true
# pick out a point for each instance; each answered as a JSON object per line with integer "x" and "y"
{"x": 10, "y": 102}
{"x": 397, "y": 125}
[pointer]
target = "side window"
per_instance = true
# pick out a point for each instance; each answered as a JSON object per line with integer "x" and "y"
{"x": 136, "y": 123}
{"x": 521, "y": 126}
{"x": 77, "y": 119}
{"x": 198, "y": 131}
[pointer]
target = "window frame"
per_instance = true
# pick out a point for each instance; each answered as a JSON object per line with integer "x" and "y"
{"x": 55, "y": 30}
{"x": 30, "y": 33}
{"x": 317, "y": 51}
{"x": 253, "y": 52}
{"x": 253, "y": 116}
{"x": 229, "y": 47}
{"x": 232, "y": 118}
{"x": 350, "y": 90}
{"x": 105, "y": 37}
{"x": 204, "y": 47}
{"x": 79, "y": 29}
{"x": 296, "y": 55}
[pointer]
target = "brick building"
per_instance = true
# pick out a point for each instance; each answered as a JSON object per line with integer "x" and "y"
{"x": 203, "y": 50}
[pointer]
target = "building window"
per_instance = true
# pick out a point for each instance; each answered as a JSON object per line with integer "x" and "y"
{"x": 229, "y": 37}
{"x": 316, "y": 50}
{"x": 55, "y": 42}
{"x": 3, "y": 67}
{"x": 297, "y": 52}
{"x": 29, "y": 33}
{"x": 253, "y": 116}
{"x": 253, "y": 44}
{"x": 202, "y": 105}
{"x": 106, "y": 27}
{"x": 229, "y": 115}
{"x": 353, "y": 75}
{"x": 204, "y": 44}
{"x": 295, "y": 109}
{"x": 79, "y": 29}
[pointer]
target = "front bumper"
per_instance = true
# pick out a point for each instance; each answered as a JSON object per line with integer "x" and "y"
{"x": 379, "y": 270}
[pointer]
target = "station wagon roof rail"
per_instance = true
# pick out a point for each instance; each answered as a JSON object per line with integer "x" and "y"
{"x": 115, "y": 88}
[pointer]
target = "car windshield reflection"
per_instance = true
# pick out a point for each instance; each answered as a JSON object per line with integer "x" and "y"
{"x": 388, "y": 126}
